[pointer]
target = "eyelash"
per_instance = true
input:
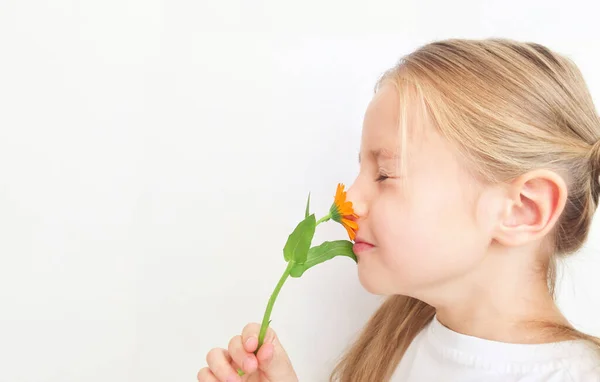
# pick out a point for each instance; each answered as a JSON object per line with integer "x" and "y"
{"x": 381, "y": 178}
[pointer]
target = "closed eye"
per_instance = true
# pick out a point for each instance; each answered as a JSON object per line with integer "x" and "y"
{"x": 381, "y": 178}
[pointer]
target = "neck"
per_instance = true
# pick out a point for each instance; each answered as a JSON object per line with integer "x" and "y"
{"x": 501, "y": 300}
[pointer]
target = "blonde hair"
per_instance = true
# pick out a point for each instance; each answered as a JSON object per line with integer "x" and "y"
{"x": 509, "y": 107}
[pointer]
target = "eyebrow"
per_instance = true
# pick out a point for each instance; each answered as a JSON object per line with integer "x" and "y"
{"x": 381, "y": 153}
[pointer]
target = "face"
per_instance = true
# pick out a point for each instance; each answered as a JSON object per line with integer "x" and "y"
{"x": 422, "y": 222}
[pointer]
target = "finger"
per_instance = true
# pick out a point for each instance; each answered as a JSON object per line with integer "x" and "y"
{"x": 265, "y": 355}
{"x": 241, "y": 356}
{"x": 205, "y": 375}
{"x": 219, "y": 362}
{"x": 272, "y": 358}
{"x": 274, "y": 362}
{"x": 250, "y": 337}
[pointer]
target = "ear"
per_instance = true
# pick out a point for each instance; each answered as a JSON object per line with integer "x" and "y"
{"x": 533, "y": 204}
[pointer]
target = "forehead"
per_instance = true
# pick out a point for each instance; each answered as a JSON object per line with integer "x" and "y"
{"x": 392, "y": 118}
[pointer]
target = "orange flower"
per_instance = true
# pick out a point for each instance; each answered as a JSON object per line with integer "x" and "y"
{"x": 342, "y": 212}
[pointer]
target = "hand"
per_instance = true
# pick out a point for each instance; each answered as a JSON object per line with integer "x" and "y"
{"x": 270, "y": 364}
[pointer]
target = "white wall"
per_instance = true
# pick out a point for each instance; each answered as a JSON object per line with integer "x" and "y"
{"x": 154, "y": 156}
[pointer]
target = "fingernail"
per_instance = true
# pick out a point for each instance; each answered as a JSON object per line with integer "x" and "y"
{"x": 233, "y": 378}
{"x": 250, "y": 341}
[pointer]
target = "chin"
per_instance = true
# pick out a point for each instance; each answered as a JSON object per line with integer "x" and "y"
{"x": 370, "y": 281}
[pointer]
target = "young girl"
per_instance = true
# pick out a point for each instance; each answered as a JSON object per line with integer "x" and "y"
{"x": 479, "y": 168}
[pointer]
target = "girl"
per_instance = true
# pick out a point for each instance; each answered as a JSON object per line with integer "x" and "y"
{"x": 479, "y": 169}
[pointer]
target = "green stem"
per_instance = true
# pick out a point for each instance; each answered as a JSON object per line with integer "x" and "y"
{"x": 324, "y": 219}
{"x": 267, "y": 316}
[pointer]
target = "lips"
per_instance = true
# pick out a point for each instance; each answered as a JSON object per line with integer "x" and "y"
{"x": 361, "y": 246}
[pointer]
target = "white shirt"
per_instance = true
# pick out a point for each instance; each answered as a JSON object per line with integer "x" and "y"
{"x": 438, "y": 354}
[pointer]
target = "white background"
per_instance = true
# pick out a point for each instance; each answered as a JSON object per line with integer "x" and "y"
{"x": 154, "y": 156}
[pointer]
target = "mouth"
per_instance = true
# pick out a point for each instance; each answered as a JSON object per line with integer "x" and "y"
{"x": 361, "y": 246}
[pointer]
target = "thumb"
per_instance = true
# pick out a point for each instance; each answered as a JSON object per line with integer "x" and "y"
{"x": 274, "y": 362}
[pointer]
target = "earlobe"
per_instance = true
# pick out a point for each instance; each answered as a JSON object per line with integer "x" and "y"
{"x": 534, "y": 202}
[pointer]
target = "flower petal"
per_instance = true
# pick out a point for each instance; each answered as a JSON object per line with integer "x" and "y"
{"x": 351, "y": 233}
{"x": 350, "y": 223}
{"x": 342, "y": 212}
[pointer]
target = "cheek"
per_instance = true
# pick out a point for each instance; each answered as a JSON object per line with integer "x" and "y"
{"x": 428, "y": 239}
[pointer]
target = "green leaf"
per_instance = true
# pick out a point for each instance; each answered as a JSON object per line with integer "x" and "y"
{"x": 298, "y": 243}
{"x": 307, "y": 206}
{"x": 326, "y": 251}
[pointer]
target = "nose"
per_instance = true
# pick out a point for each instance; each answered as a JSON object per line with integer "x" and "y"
{"x": 358, "y": 204}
